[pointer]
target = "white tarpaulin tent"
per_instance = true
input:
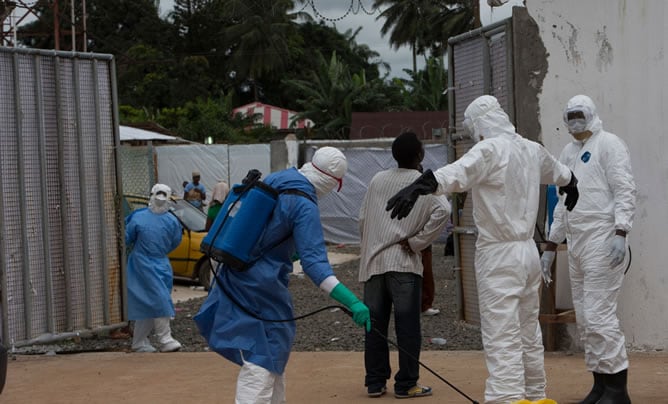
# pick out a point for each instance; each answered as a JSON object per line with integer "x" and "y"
{"x": 215, "y": 162}
{"x": 128, "y": 133}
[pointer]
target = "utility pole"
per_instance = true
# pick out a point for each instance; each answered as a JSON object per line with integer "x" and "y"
{"x": 56, "y": 25}
{"x": 476, "y": 14}
{"x": 85, "y": 36}
{"x": 74, "y": 30}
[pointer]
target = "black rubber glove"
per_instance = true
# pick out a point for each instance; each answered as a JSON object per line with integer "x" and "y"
{"x": 571, "y": 191}
{"x": 402, "y": 203}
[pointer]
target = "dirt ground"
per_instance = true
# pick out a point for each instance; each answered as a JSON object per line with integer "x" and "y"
{"x": 312, "y": 377}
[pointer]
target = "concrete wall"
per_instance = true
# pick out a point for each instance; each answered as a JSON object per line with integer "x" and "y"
{"x": 615, "y": 52}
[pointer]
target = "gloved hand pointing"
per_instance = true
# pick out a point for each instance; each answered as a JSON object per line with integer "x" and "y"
{"x": 546, "y": 261}
{"x": 617, "y": 250}
{"x": 361, "y": 315}
{"x": 571, "y": 191}
{"x": 402, "y": 202}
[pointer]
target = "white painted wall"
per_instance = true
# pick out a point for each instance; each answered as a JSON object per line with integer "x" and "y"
{"x": 615, "y": 52}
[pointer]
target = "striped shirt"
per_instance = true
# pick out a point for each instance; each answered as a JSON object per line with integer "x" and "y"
{"x": 380, "y": 234}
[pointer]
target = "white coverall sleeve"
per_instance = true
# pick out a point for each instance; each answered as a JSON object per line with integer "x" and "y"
{"x": 557, "y": 233}
{"x": 464, "y": 173}
{"x": 434, "y": 226}
{"x": 551, "y": 170}
{"x": 558, "y": 229}
{"x": 329, "y": 283}
{"x": 617, "y": 165}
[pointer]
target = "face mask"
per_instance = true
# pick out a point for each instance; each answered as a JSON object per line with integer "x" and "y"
{"x": 158, "y": 205}
{"x": 577, "y": 125}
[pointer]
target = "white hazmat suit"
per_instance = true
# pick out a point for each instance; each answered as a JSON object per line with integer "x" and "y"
{"x": 504, "y": 172}
{"x": 593, "y": 231}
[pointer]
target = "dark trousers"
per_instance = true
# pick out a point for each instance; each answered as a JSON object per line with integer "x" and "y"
{"x": 428, "y": 285}
{"x": 381, "y": 292}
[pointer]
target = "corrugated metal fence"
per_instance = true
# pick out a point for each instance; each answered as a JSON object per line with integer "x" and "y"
{"x": 61, "y": 247}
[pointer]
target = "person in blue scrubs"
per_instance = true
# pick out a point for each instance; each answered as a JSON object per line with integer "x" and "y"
{"x": 152, "y": 233}
{"x": 236, "y": 317}
{"x": 194, "y": 192}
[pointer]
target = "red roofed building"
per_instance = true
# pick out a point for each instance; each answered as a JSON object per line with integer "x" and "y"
{"x": 269, "y": 115}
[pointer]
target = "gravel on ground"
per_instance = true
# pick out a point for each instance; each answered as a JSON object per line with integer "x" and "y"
{"x": 329, "y": 330}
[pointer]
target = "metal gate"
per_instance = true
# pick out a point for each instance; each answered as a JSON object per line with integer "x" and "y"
{"x": 480, "y": 62}
{"x": 61, "y": 251}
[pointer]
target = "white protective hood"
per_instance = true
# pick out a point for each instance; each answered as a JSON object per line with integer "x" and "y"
{"x": 488, "y": 118}
{"x": 326, "y": 170}
{"x": 586, "y": 105}
{"x": 159, "y": 200}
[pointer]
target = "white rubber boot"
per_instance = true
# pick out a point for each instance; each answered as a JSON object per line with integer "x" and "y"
{"x": 164, "y": 333}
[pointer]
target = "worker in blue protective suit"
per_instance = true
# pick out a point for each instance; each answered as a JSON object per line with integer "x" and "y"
{"x": 596, "y": 233}
{"x": 152, "y": 233}
{"x": 504, "y": 172}
{"x": 233, "y": 320}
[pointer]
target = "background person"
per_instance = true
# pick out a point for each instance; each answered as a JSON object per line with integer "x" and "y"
{"x": 391, "y": 269}
{"x": 504, "y": 171}
{"x": 596, "y": 234}
{"x": 194, "y": 192}
{"x": 231, "y": 319}
{"x": 220, "y": 191}
{"x": 152, "y": 233}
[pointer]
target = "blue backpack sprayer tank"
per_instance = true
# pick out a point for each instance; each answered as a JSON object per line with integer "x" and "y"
{"x": 240, "y": 223}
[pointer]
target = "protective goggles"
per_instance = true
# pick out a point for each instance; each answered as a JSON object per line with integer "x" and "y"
{"x": 575, "y": 114}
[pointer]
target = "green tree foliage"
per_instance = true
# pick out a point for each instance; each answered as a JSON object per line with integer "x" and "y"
{"x": 258, "y": 36}
{"x": 188, "y": 71}
{"x": 331, "y": 93}
{"x": 426, "y": 87}
{"x": 424, "y": 25}
{"x": 314, "y": 39}
{"x": 454, "y": 19}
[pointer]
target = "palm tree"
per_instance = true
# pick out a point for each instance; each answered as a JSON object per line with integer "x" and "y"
{"x": 456, "y": 18}
{"x": 363, "y": 50}
{"x": 426, "y": 87}
{"x": 258, "y": 40}
{"x": 405, "y": 21}
{"x": 424, "y": 25}
{"x": 329, "y": 96}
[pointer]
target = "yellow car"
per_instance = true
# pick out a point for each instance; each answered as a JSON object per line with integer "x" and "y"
{"x": 187, "y": 260}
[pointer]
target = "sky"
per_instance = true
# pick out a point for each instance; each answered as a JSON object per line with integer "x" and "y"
{"x": 399, "y": 59}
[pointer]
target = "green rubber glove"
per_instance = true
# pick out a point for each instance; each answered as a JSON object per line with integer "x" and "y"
{"x": 347, "y": 298}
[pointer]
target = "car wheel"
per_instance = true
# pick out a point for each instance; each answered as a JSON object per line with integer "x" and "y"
{"x": 204, "y": 274}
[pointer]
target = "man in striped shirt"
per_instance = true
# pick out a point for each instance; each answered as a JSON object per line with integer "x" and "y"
{"x": 391, "y": 269}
